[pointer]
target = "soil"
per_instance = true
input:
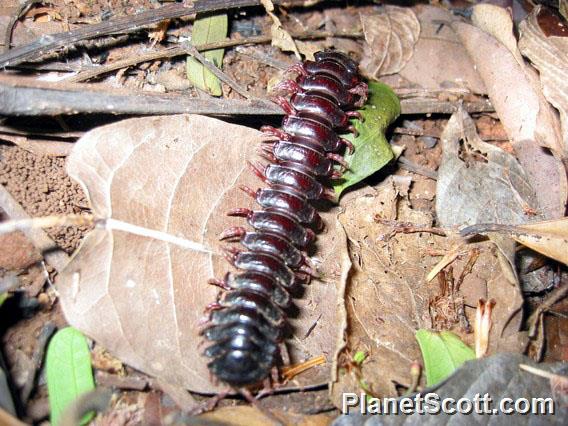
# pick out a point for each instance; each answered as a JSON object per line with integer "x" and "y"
{"x": 41, "y": 186}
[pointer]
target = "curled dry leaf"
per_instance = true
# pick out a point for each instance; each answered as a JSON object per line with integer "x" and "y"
{"x": 480, "y": 183}
{"x": 550, "y": 56}
{"x": 439, "y": 60}
{"x": 388, "y": 298}
{"x": 549, "y": 237}
{"x": 141, "y": 298}
{"x": 280, "y": 37}
{"x": 515, "y": 92}
{"x": 390, "y": 37}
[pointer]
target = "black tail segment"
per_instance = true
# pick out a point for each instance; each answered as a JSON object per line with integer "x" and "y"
{"x": 248, "y": 321}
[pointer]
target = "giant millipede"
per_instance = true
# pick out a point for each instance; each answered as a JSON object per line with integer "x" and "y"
{"x": 247, "y": 322}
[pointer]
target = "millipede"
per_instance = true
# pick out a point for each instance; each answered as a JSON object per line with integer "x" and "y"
{"x": 247, "y": 322}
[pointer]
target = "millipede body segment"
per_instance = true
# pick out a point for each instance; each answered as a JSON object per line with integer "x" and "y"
{"x": 247, "y": 323}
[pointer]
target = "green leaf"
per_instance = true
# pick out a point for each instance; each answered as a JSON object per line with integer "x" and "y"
{"x": 443, "y": 353}
{"x": 372, "y": 150}
{"x": 359, "y": 357}
{"x": 68, "y": 370}
{"x": 207, "y": 29}
{"x": 3, "y": 297}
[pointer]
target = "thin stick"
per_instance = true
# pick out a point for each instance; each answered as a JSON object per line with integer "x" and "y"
{"x": 192, "y": 51}
{"x": 109, "y": 224}
{"x": 49, "y": 42}
{"x": 22, "y": 8}
{"x": 172, "y": 52}
{"x": 416, "y": 168}
{"x": 118, "y": 225}
{"x": 37, "y": 360}
{"x": 541, "y": 373}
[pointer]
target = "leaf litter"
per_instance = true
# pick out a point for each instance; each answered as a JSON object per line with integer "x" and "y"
{"x": 388, "y": 297}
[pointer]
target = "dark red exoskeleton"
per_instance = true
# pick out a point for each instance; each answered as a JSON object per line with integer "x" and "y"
{"x": 247, "y": 322}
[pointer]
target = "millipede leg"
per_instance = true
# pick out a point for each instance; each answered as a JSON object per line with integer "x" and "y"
{"x": 298, "y": 68}
{"x": 240, "y": 211}
{"x": 273, "y": 131}
{"x": 285, "y": 105}
{"x": 256, "y": 169}
{"x": 288, "y": 86}
{"x": 338, "y": 159}
{"x": 233, "y": 232}
{"x": 251, "y": 192}
{"x": 348, "y": 144}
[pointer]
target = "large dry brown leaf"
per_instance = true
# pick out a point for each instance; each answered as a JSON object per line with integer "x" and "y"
{"x": 439, "y": 60}
{"x": 550, "y": 56}
{"x": 387, "y": 297}
{"x": 480, "y": 183}
{"x": 390, "y": 37}
{"x": 142, "y": 298}
{"x": 514, "y": 89}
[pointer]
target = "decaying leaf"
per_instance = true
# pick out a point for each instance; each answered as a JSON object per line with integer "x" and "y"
{"x": 550, "y": 56}
{"x": 478, "y": 182}
{"x": 390, "y": 37}
{"x": 515, "y": 92}
{"x": 549, "y": 237}
{"x": 280, "y": 37}
{"x": 142, "y": 299}
{"x": 439, "y": 60}
{"x": 388, "y": 298}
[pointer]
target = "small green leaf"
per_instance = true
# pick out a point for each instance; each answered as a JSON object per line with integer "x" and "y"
{"x": 372, "y": 150}
{"x": 359, "y": 357}
{"x": 443, "y": 353}
{"x": 68, "y": 370}
{"x": 3, "y": 298}
{"x": 207, "y": 29}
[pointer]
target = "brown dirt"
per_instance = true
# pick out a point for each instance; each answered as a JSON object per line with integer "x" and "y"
{"x": 42, "y": 187}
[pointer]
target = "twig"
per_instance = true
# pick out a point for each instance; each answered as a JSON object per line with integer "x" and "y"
{"x": 37, "y": 360}
{"x": 26, "y": 97}
{"x": 172, "y": 52}
{"x": 108, "y": 224}
{"x": 554, "y": 297}
{"x": 49, "y": 42}
{"x": 408, "y": 228}
{"x": 115, "y": 381}
{"x": 22, "y": 8}
{"x": 53, "y": 254}
{"x": 22, "y": 96}
{"x": 406, "y": 164}
{"x": 192, "y": 51}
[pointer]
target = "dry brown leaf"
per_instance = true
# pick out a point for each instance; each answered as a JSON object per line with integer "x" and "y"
{"x": 250, "y": 416}
{"x": 478, "y": 182}
{"x": 529, "y": 120}
{"x": 141, "y": 298}
{"x": 550, "y": 57}
{"x": 280, "y": 37}
{"x": 548, "y": 237}
{"x": 390, "y": 37}
{"x": 387, "y": 297}
{"x": 439, "y": 59}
